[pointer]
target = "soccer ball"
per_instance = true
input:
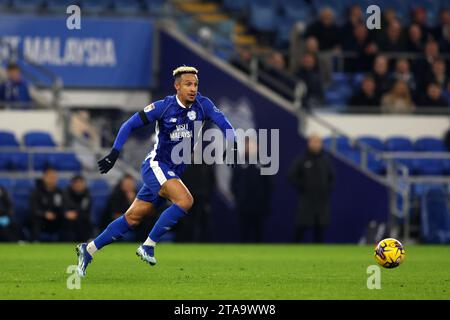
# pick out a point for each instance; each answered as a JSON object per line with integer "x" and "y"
{"x": 389, "y": 253}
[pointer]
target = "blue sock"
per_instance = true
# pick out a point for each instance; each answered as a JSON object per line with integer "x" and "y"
{"x": 114, "y": 231}
{"x": 166, "y": 221}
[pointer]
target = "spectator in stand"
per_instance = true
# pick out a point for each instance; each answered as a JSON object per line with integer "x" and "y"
{"x": 46, "y": 207}
{"x": 365, "y": 48}
{"x": 415, "y": 41}
{"x": 367, "y": 95}
{"x": 312, "y": 46}
{"x": 433, "y": 97}
{"x": 419, "y": 17}
{"x": 447, "y": 139}
{"x": 312, "y": 79}
{"x": 398, "y": 99}
{"x": 77, "y": 216}
{"x": 312, "y": 174}
{"x": 439, "y": 31}
{"x": 423, "y": 67}
{"x": 354, "y": 18}
{"x": 402, "y": 72}
{"x": 445, "y": 41}
{"x": 242, "y": 59}
{"x": 201, "y": 182}
{"x": 392, "y": 40}
{"x": 14, "y": 91}
{"x": 381, "y": 75}
{"x": 324, "y": 30}
{"x": 274, "y": 67}
{"x": 120, "y": 199}
{"x": 8, "y": 229}
{"x": 438, "y": 73}
{"x": 252, "y": 193}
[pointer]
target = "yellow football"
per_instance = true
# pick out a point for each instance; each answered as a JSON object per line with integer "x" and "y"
{"x": 389, "y": 253}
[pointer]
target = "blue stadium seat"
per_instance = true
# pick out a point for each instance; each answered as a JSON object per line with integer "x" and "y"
{"x": 59, "y": 6}
{"x": 263, "y": 16}
{"x": 409, "y": 163}
{"x": 446, "y": 166}
{"x": 399, "y": 143}
{"x": 339, "y": 8}
{"x": 128, "y": 7}
{"x": 95, "y": 6}
{"x": 24, "y": 185}
{"x": 296, "y": 10}
{"x": 41, "y": 161}
{"x": 5, "y": 5}
{"x": 154, "y": 7}
{"x": 38, "y": 139}
{"x": 429, "y": 144}
{"x": 27, "y": 5}
{"x": 63, "y": 183}
{"x": 428, "y": 167}
{"x": 6, "y": 183}
{"x": 100, "y": 190}
{"x": 18, "y": 161}
{"x": 8, "y": 139}
{"x": 98, "y": 186}
{"x": 64, "y": 161}
{"x": 376, "y": 165}
{"x": 234, "y": 5}
{"x": 5, "y": 162}
{"x": 357, "y": 79}
{"x": 372, "y": 141}
{"x": 352, "y": 155}
{"x": 342, "y": 143}
{"x": 435, "y": 216}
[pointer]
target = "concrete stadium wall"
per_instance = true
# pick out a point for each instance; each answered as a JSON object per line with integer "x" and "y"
{"x": 383, "y": 126}
{"x": 19, "y": 122}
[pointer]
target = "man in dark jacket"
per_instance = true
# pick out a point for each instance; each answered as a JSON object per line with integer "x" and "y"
{"x": 252, "y": 192}
{"x": 47, "y": 207}
{"x": 8, "y": 229}
{"x": 313, "y": 176}
{"x": 77, "y": 216}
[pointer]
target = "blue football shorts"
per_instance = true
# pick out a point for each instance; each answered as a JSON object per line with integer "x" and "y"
{"x": 154, "y": 174}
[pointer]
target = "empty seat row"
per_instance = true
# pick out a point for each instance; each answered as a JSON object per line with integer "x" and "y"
{"x": 391, "y": 144}
{"x": 88, "y": 6}
{"x": 22, "y": 161}
{"x": 30, "y": 139}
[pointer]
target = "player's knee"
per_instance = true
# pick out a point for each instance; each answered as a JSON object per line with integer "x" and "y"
{"x": 132, "y": 219}
{"x": 186, "y": 202}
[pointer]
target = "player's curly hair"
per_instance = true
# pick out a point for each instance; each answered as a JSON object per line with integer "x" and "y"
{"x": 184, "y": 69}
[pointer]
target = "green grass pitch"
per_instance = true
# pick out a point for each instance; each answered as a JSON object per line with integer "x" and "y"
{"x": 223, "y": 271}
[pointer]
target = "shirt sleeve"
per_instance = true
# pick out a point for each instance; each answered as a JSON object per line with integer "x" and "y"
{"x": 215, "y": 115}
{"x": 150, "y": 113}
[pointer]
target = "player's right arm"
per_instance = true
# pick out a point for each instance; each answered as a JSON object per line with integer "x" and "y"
{"x": 150, "y": 113}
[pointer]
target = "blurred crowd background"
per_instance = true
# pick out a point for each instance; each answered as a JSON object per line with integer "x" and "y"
{"x": 359, "y": 110}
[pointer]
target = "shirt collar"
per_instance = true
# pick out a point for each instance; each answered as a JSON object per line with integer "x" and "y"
{"x": 181, "y": 104}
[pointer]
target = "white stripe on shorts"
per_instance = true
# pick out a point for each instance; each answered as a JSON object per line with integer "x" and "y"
{"x": 159, "y": 174}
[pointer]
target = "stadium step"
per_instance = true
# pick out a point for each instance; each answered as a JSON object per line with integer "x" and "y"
{"x": 197, "y": 7}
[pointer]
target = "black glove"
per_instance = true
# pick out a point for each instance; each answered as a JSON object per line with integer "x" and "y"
{"x": 105, "y": 164}
{"x": 234, "y": 155}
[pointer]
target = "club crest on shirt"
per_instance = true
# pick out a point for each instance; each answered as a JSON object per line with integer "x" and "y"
{"x": 191, "y": 115}
{"x": 150, "y": 107}
{"x": 173, "y": 120}
{"x": 171, "y": 173}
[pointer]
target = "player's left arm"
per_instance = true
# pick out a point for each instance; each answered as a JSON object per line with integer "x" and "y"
{"x": 137, "y": 120}
{"x": 216, "y": 116}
